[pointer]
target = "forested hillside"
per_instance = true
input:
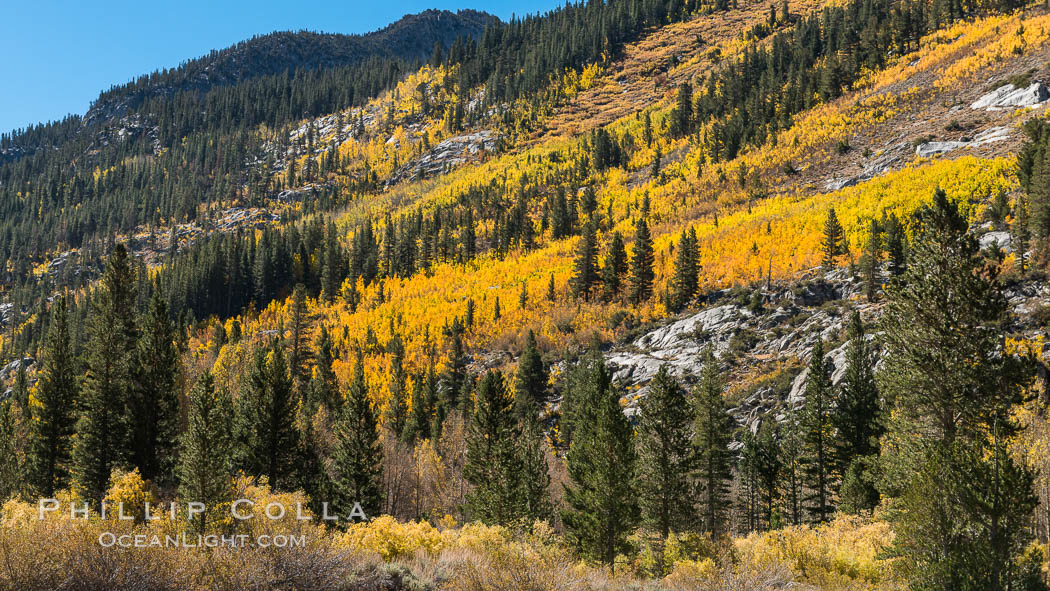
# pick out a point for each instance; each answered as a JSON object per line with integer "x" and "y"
{"x": 631, "y": 294}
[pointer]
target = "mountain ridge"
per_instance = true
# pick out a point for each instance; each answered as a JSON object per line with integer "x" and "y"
{"x": 413, "y": 36}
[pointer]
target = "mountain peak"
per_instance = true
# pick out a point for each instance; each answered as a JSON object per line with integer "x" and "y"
{"x": 411, "y": 37}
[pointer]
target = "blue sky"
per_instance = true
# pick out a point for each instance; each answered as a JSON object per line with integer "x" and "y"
{"x": 56, "y": 55}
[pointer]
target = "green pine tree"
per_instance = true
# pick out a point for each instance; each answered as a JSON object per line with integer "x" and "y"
{"x": 760, "y": 469}
{"x": 614, "y": 269}
{"x": 585, "y": 276}
{"x": 713, "y": 433}
{"x": 791, "y": 459}
{"x": 154, "y": 403}
{"x": 205, "y": 448}
{"x": 54, "y": 421}
{"x": 493, "y": 466}
{"x": 817, "y": 435}
{"x": 324, "y": 387}
{"x": 1021, "y": 232}
{"x": 895, "y": 245}
{"x": 396, "y": 417}
{"x": 20, "y": 389}
{"x": 870, "y": 262}
{"x": 601, "y": 465}
{"x": 685, "y": 281}
{"x": 1039, "y": 198}
{"x": 665, "y": 456}
{"x": 299, "y": 354}
{"x": 642, "y": 274}
{"x": 833, "y": 243}
{"x": 961, "y": 499}
{"x": 358, "y": 458}
{"x": 535, "y": 481}
{"x": 682, "y": 114}
{"x": 266, "y": 419}
{"x": 530, "y": 384}
{"x": 424, "y": 392}
{"x": 334, "y": 269}
{"x": 855, "y": 416}
{"x": 102, "y": 443}
{"x": 12, "y": 475}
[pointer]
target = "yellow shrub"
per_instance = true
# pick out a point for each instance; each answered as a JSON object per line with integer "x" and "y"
{"x": 392, "y": 539}
{"x": 478, "y": 537}
{"x": 128, "y": 490}
{"x": 842, "y": 554}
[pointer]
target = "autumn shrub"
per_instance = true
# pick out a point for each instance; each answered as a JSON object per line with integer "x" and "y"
{"x": 62, "y": 553}
{"x": 842, "y": 554}
{"x": 129, "y": 493}
{"x": 392, "y": 539}
{"x": 740, "y": 570}
{"x": 685, "y": 550}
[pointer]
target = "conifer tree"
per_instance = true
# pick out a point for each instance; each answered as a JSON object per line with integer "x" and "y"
{"x": 358, "y": 459}
{"x": 895, "y": 245}
{"x": 550, "y": 289}
{"x": 101, "y": 442}
{"x": 454, "y": 378}
{"x": 155, "y": 400}
{"x": 712, "y": 434}
{"x": 601, "y": 465}
{"x": 642, "y": 274}
{"x": 467, "y": 236}
{"x": 952, "y": 387}
{"x": 1020, "y": 232}
{"x": 468, "y": 315}
{"x": 1039, "y": 198}
{"x": 205, "y": 448}
{"x": 493, "y": 466}
{"x": 685, "y": 281}
{"x": 534, "y": 484}
{"x": 424, "y": 395}
{"x": 266, "y": 419}
{"x": 20, "y": 389}
{"x": 748, "y": 497}
{"x": 585, "y": 276}
{"x": 334, "y": 269}
{"x": 397, "y": 412}
{"x": 311, "y": 471}
{"x": 855, "y": 416}
{"x": 324, "y": 387}
{"x": 299, "y": 354}
{"x": 665, "y": 456}
{"x": 760, "y": 470}
{"x": 57, "y": 393}
{"x": 870, "y": 262}
{"x": 530, "y": 384}
{"x": 11, "y": 466}
{"x": 817, "y": 435}
{"x": 682, "y": 114}
{"x": 791, "y": 459}
{"x": 833, "y": 243}
{"x": 615, "y": 268}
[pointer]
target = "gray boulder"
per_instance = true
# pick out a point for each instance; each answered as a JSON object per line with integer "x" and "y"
{"x": 1008, "y": 97}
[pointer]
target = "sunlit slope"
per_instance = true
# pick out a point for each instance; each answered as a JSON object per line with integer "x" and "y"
{"x": 770, "y": 203}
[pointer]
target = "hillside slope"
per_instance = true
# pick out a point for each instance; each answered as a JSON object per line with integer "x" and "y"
{"x": 411, "y": 38}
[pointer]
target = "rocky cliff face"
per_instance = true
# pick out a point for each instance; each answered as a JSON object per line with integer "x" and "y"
{"x": 751, "y": 333}
{"x": 763, "y": 338}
